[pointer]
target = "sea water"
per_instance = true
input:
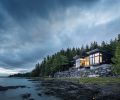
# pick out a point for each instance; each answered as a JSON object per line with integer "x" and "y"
{"x": 16, "y": 94}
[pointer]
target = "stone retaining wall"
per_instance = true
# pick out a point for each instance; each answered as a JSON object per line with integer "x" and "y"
{"x": 94, "y": 71}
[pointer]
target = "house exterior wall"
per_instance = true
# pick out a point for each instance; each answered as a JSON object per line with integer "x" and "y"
{"x": 77, "y": 65}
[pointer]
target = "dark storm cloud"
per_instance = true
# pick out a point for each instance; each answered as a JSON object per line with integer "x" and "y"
{"x": 21, "y": 9}
{"x": 32, "y": 29}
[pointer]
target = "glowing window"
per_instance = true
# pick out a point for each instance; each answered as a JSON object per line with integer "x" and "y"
{"x": 97, "y": 54}
{"x": 91, "y": 55}
{"x": 100, "y": 59}
{"x": 97, "y": 60}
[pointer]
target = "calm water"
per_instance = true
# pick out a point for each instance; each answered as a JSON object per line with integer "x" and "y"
{"x": 15, "y": 94}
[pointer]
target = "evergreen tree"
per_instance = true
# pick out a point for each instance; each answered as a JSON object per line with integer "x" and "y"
{"x": 87, "y": 48}
{"x": 35, "y": 72}
{"x": 118, "y": 37}
{"x": 116, "y": 59}
{"x": 93, "y": 45}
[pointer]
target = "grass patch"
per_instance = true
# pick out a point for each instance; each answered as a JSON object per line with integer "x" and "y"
{"x": 100, "y": 80}
{"x": 90, "y": 80}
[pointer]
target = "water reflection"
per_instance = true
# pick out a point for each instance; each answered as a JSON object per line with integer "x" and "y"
{"x": 32, "y": 90}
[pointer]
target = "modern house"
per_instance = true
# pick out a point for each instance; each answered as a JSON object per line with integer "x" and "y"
{"x": 92, "y": 58}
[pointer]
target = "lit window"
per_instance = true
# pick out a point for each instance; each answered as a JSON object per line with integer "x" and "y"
{"x": 100, "y": 59}
{"x": 91, "y": 55}
{"x": 97, "y": 60}
{"x": 97, "y": 54}
{"x": 100, "y": 54}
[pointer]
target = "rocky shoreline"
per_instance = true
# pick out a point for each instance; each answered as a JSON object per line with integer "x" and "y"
{"x": 5, "y": 88}
{"x": 67, "y": 90}
{"x": 71, "y": 91}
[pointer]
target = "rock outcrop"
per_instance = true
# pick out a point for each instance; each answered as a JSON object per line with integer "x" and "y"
{"x": 93, "y": 71}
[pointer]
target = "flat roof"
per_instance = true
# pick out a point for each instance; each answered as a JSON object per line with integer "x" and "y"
{"x": 85, "y": 54}
{"x": 94, "y": 51}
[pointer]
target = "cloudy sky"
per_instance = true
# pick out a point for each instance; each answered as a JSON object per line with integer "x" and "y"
{"x": 32, "y": 29}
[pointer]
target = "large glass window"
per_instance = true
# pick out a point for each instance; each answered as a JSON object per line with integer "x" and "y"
{"x": 100, "y": 59}
{"x": 96, "y": 54}
{"x": 97, "y": 60}
{"x": 87, "y": 61}
{"x": 91, "y": 56}
{"x": 100, "y": 54}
